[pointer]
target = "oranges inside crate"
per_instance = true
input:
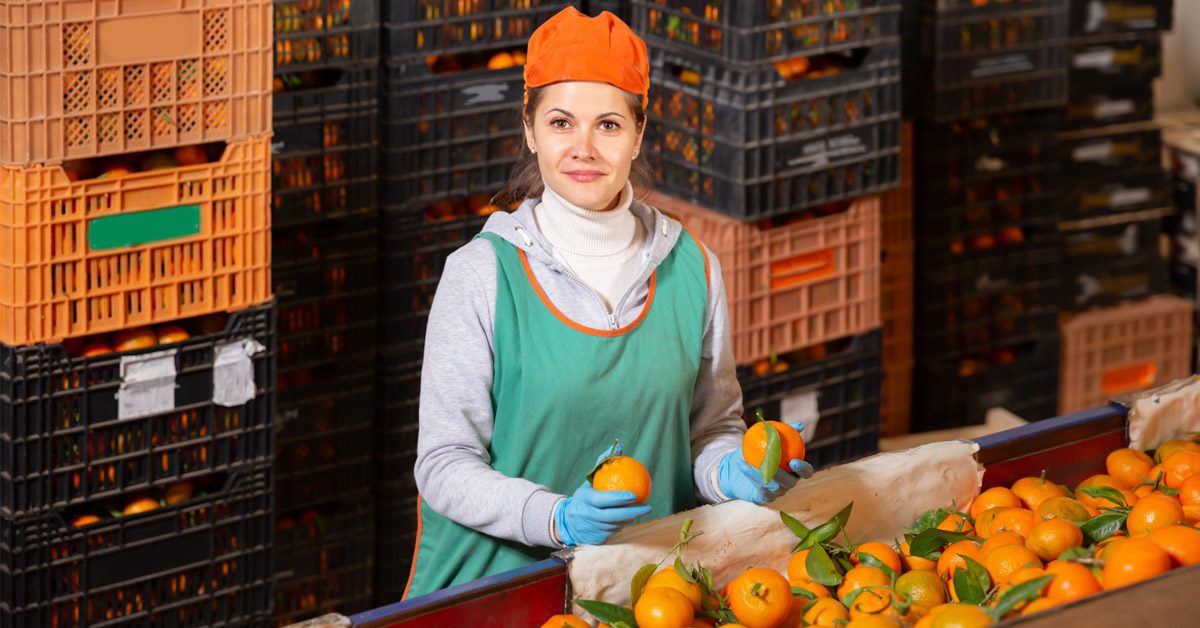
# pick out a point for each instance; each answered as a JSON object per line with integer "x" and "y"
{"x": 85, "y": 79}
{"x": 82, "y": 257}
{"x": 795, "y": 283}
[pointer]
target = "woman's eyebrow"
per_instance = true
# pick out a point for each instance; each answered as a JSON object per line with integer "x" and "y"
{"x": 572, "y": 116}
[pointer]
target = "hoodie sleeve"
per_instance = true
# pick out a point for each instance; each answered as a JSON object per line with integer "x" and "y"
{"x": 453, "y": 469}
{"x": 717, "y": 425}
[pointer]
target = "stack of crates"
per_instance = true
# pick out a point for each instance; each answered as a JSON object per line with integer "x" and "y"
{"x": 453, "y": 84}
{"x": 1181, "y": 157}
{"x": 896, "y": 296}
{"x": 1115, "y": 195}
{"x": 326, "y": 279}
{"x": 991, "y": 83}
{"x": 772, "y": 127}
{"x": 137, "y": 336}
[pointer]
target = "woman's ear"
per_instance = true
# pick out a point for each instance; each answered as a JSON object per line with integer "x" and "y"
{"x": 530, "y": 143}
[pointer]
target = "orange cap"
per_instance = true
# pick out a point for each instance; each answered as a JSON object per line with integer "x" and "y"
{"x": 574, "y": 47}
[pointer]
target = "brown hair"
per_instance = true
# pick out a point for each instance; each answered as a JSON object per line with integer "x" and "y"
{"x": 526, "y": 179}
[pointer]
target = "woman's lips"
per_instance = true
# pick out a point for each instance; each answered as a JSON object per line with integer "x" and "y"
{"x": 584, "y": 176}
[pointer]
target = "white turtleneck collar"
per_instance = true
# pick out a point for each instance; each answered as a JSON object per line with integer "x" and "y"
{"x": 584, "y": 232}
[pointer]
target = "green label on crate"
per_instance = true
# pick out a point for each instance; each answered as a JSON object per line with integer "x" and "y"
{"x": 114, "y": 232}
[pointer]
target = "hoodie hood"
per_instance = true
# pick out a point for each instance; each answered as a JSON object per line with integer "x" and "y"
{"x": 520, "y": 229}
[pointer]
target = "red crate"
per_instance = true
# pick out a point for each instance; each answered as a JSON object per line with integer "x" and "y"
{"x": 98, "y": 255}
{"x": 1123, "y": 349}
{"x": 796, "y": 283}
{"x": 85, "y": 78}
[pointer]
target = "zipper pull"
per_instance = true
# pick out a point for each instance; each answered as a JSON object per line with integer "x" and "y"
{"x": 612, "y": 321}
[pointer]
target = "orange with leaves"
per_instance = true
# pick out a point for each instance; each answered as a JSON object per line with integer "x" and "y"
{"x": 1180, "y": 466}
{"x": 670, "y": 579}
{"x": 1072, "y": 581}
{"x": 663, "y": 608}
{"x": 1133, "y": 560}
{"x": 759, "y": 598}
{"x": 955, "y": 522}
{"x": 1040, "y": 604}
{"x": 1182, "y": 543}
{"x": 1005, "y": 560}
{"x": 812, "y": 586}
{"x": 1034, "y": 491}
{"x": 1129, "y": 466}
{"x": 962, "y": 616}
{"x": 916, "y": 563}
{"x": 1153, "y": 512}
{"x": 924, "y": 588}
{"x": 1019, "y": 520}
{"x": 995, "y": 497}
{"x": 1020, "y": 576}
{"x": 1165, "y": 450}
{"x": 754, "y": 444}
{"x": 1049, "y": 539}
{"x": 1189, "y": 491}
{"x": 1061, "y": 508}
{"x": 862, "y": 577}
{"x": 952, "y": 557}
{"x": 873, "y": 603}
{"x": 880, "y": 552}
{"x": 826, "y": 612}
{"x": 622, "y": 473}
{"x": 797, "y": 568}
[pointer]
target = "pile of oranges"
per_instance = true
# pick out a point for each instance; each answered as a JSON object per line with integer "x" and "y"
{"x": 1013, "y": 551}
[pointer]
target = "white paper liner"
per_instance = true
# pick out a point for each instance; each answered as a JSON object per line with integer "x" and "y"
{"x": 889, "y": 491}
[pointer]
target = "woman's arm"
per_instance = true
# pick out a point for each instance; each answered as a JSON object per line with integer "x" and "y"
{"x": 717, "y": 425}
{"x": 453, "y": 469}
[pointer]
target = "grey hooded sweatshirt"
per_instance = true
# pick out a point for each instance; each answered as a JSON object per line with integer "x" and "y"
{"x": 453, "y": 471}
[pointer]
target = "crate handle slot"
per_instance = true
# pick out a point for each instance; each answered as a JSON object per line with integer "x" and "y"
{"x": 1127, "y": 378}
{"x": 132, "y": 229}
{"x": 802, "y": 268}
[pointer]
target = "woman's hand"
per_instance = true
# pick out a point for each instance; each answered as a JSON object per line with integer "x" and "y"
{"x": 738, "y": 480}
{"x": 589, "y": 516}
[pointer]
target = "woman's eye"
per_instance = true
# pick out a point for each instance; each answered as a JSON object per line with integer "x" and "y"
{"x": 559, "y": 123}
{"x": 609, "y": 125}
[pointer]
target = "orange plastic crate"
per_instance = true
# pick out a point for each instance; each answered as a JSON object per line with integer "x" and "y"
{"x": 85, "y": 78}
{"x": 795, "y": 285}
{"x": 100, "y": 255}
{"x": 1127, "y": 348}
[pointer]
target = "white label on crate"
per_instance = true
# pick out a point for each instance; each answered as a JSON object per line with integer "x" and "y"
{"x": 1003, "y": 64}
{"x": 819, "y": 153}
{"x": 1190, "y": 165}
{"x": 1094, "y": 59}
{"x": 802, "y": 406}
{"x": 1099, "y": 151}
{"x": 1130, "y": 197}
{"x": 147, "y": 384}
{"x": 1114, "y": 108}
{"x": 480, "y": 94}
{"x": 233, "y": 372}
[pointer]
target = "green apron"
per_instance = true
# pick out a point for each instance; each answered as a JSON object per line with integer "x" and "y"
{"x": 562, "y": 392}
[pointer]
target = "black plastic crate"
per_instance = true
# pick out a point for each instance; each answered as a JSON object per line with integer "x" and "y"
{"x": 1117, "y": 105}
{"x": 987, "y": 60}
{"x": 326, "y": 445}
{"x": 1109, "y": 152}
{"x": 399, "y": 403}
{"x": 1102, "y": 63}
{"x": 320, "y": 34}
{"x": 324, "y": 558}
{"x": 949, "y": 394}
{"x": 201, "y": 562}
{"x": 397, "y": 513}
{"x": 448, "y": 134}
{"x": 714, "y": 143}
{"x": 842, "y": 388}
{"x": 1093, "y": 17}
{"x": 435, "y": 27}
{"x": 980, "y": 308}
{"x": 72, "y": 430}
{"x": 737, "y": 31}
{"x": 1135, "y": 190}
{"x": 322, "y": 242}
{"x": 1181, "y": 229}
{"x": 415, "y": 248}
{"x": 325, "y": 149}
{"x": 327, "y": 312}
{"x": 619, "y": 8}
{"x": 1113, "y": 280}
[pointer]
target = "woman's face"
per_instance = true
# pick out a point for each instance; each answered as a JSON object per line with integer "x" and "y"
{"x": 585, "y": 137}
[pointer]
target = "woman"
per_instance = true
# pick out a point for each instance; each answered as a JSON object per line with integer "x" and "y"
{"x": 582, "y": 317}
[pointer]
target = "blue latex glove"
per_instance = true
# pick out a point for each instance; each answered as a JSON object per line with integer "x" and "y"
{"x": 589, "y": 516}
{"x": 738, "y": 480}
